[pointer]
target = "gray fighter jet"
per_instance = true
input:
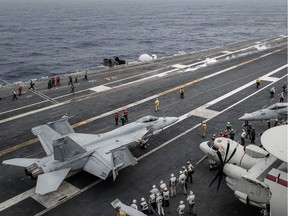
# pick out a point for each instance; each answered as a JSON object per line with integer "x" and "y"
{"x": 97, "y": 154}
{"x": 276, "y": 111}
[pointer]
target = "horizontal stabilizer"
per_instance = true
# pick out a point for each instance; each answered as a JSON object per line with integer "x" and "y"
{"x": 22, "y": 162}
{"x": 50, "y": 182}
{"x": 98, "y": 166}
{"x": 65, "y": 148}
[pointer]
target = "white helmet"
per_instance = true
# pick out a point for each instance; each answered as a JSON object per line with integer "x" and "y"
{"x": 134, "y": 201}
{"x": 161, "y": 182}
{"x": 181, "y": 202}
{"x": 142, "y": 199}
{"x": 180, "y": 172}
{"x": 183, "y": 167}
{"x": 188, "y": 162}
{"x": 165, "y": 188}
{"x": 191, "y": 192}
{"x": 154, "y": 186}
{"x": 172, "y": 175}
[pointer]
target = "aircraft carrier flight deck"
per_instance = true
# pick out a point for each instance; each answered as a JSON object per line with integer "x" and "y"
{"x": 219, "y": 87}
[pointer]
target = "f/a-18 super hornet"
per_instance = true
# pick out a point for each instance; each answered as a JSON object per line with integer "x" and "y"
{"x": 257, "y": 177}
{"x": 97, "y": 154}
{"x": 278, "y": 111}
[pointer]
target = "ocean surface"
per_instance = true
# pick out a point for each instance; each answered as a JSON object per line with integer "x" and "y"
{"x": 40, "y": 38}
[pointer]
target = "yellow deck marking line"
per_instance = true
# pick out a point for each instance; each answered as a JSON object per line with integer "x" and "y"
{"x": 35, "y": 140}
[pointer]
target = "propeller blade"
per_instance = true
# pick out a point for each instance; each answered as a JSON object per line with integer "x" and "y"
{"x": 234, "y": 151}
{"x": 220, "y": 179}
{"x": 220, "y": 158}
{"x": 215, "y": 177}
{"x": 227, "y": 151}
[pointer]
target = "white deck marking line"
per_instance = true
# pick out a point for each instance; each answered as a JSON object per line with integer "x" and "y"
{"x": 181, "y": 118}
{"x": 23, "y": 107}
{"x": 179, "y": 66}
{"x": 65, "y": 191}
{"x": 10, "y": 202}
{"x": 45, "y": 96}
{"x": 270, "y": 79}
{"x": 32, "y": 112}
{"x": 100, "y": 88}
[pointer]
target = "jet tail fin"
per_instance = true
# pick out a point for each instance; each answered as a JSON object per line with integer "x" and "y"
{"x": 46, "y": 136}
{"x": 65, "y": 148}
{"x": 50, "y": 182}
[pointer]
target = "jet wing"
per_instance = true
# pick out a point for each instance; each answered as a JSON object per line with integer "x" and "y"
{"x": 50, "y": 182}
{"x": 115, "y": 160}
{"x": 22, "y": 162}
{"x": 124, "y": 140}
{"x": 98, "y": 166}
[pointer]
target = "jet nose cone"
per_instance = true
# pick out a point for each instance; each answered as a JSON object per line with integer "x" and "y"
{"x": 245, "y": 117}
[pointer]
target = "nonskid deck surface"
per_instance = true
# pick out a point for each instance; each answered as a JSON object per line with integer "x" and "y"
{"x": 219, "y": 87}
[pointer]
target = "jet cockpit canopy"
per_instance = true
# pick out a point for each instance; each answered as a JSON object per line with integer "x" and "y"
{"x": 147, "y": 119}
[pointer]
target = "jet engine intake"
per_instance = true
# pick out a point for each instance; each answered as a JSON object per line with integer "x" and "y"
{"x": 33, "y": 171}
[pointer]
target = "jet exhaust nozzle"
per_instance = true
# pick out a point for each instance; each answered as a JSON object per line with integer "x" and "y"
{"x": 33, "y": 171}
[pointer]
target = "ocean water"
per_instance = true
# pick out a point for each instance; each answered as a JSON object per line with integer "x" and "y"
{"x": 41, "y": 38}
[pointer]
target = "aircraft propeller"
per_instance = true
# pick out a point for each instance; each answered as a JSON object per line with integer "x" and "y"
{"x": 220, "y": 173}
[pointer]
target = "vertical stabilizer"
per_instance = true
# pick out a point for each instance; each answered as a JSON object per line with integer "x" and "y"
{"x": 65, "y": 148}
{"x": 46, "y": 136}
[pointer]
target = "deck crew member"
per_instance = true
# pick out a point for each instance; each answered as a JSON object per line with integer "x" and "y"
{"x": 134, "y": 204}
{"x": 116, "y": 117}
{"x": 190, "y": 169}
{"x": 157, "y": 105}
{"x": 159, "y": 201}
{"x": 281, "y": 97}
{"x": 172, "y": 184}
{"x": 182, "y": 181}
{"x": 152, "y": 199}
{"x": 126, "y": 114}
{"x": 20, "y": 90}
{"x": 70, "y": 80}
{"x": 166, "y": 197}
{"x": 123, "y": 119}
{"x": 191, "y": 202}
{"x": 203, "y": 127}
{"x": 257, "y": 82}
{"x": 181, "y": 92}
{"x": 144, "y": 206}
{"x": 272, "y": 92}
{"x": 14, "y": 96}
{"x": 243, "y": 136}
{"x": 181, "y": 208}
